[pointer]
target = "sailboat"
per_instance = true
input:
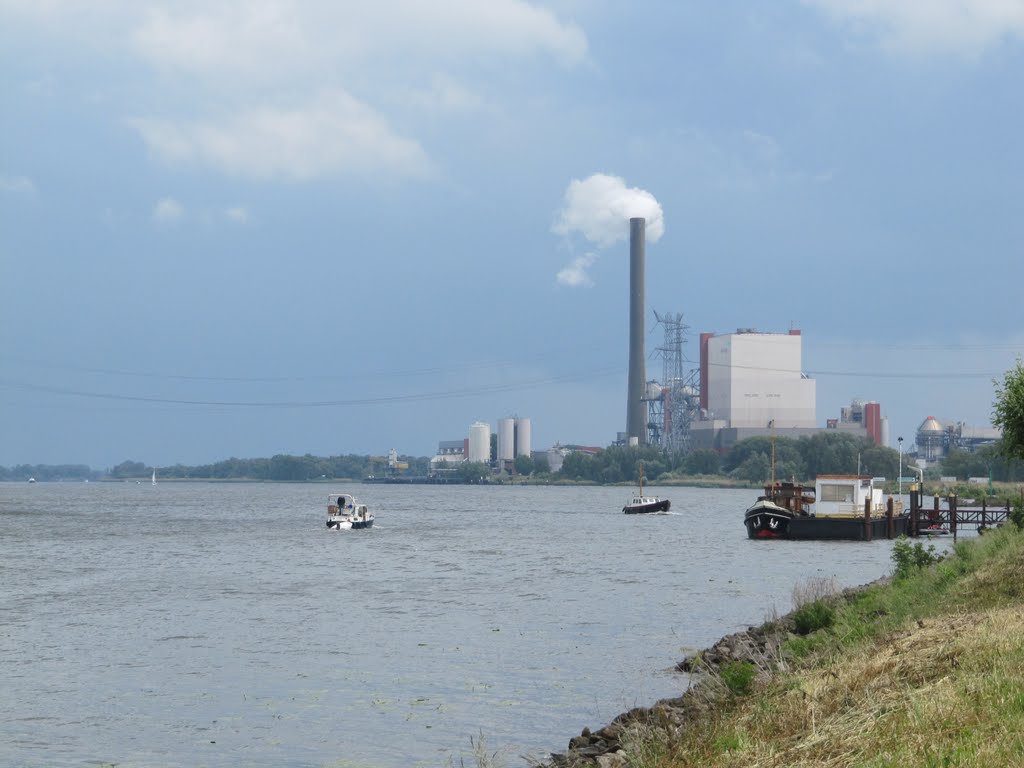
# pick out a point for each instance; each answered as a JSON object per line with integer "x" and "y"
{"x": 154, "y": 477}
{"x": 641, "y": 504}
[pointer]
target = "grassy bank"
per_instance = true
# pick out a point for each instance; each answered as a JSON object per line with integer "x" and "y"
{"x": 926, "y": 670}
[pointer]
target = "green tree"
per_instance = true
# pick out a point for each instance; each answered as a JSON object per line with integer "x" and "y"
{"x": 789, "y": 459}
{"x": 472, "y": 472}
{"x": 129, "y": 469}
{"x": 756, "y": 468}
{"x": 832, "y": 453}
{"x": 579, "y": 466}
{"x": 541, "y": 465}
{"x": 524, "y": 465}
{"x": 1008, "y": 411}
{"x": 880, "y": 461}
{"x": 702, "y": 461}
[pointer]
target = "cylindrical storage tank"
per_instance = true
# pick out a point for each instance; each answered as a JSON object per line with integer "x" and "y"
{"x": 522, "y": 437}
{"x": 480, "y": 442}
{"x": 885, "y": 432}
{"x": 506, "y": 440}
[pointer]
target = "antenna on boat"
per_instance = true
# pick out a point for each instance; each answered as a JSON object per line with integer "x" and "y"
{"x": 771, "y": 426}
{"x": 641, "y": 478}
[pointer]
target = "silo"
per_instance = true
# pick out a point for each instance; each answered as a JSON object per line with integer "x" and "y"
{"x": 506, "y": 440}
{"x": 480, "y": 442}
{"x": 522, "y": 437}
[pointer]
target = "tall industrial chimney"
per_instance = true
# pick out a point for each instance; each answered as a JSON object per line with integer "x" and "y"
{"x": 636, "y": 408}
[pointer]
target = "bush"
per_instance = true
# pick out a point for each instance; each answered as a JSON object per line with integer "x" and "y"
{"x": 1017, "y": 515}
{"x": 738, "y": 677}
{"x": 909, "y": 557}
{"x": 813, "y": 616}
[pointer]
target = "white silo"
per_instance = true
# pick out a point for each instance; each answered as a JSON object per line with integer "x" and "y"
{"x": 522, "y": 437}
{"x": 506, "y": 440}
{"x": 480, "y": 442}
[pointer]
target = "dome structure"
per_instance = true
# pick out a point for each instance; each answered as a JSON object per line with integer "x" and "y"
{"x": 931, "y": 439}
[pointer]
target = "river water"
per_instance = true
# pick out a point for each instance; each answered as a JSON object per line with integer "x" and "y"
{"x": 202, "y": 624}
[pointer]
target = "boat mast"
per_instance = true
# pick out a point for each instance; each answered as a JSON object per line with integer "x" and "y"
{"x": 641, "y": 478}
{"x": 772, "y": 425}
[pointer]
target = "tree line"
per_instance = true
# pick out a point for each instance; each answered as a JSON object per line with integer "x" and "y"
{"x": 749, "y": 461}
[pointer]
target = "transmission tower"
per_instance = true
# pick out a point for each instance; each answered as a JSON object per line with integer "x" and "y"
{"x": 680, "y": 396}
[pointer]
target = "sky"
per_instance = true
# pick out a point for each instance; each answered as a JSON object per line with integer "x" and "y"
{"x": 239, "y": 229}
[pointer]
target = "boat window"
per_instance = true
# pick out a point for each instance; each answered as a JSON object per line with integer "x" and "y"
{"x": 842, "y": 493}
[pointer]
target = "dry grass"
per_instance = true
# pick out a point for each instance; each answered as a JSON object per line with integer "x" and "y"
{"x": 945, "y": 688}
{"x": 812, "y": 590}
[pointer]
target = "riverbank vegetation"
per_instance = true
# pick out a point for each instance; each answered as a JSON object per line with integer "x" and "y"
{"x": 747, "y": 465}
{"x": 925, "y": 670}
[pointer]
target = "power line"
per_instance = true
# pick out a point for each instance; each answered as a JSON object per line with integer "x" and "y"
{"x": 348, "y": 376}
{"x": 384, "y": 399}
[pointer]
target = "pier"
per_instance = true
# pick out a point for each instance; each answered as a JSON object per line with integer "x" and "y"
{"x": 948, "y": 513}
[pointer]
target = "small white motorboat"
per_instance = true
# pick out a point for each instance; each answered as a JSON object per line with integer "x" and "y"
{"x": 345, "y": 513}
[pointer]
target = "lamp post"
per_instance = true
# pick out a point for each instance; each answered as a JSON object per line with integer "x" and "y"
{"x": 899, "y": 480}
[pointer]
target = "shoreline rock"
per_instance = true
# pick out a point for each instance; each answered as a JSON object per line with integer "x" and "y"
{"x": 759, "y": 645}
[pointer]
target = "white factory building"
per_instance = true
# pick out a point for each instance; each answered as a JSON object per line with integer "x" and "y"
{"x": 751, "y": 384}
{"x": 513, "y": 440}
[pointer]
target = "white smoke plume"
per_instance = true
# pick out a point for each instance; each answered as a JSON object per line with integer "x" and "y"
{"x": 599, "y": 208}
{"x": 575, "y": 273}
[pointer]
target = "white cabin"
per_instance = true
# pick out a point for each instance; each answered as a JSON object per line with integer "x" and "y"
{"x": 845, "y": 495}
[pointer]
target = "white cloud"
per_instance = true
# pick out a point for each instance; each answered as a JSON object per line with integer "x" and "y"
{"x": 575, "y": 274}
{"x": 444, "y": 94}
{"x": 267, "y": 39}
{"x": 600, "y": 207}
{"x": 226, "y": 43}
{"x": 237, "y": 213}
{"x": 334, "y": 134}
{"x": 921, "y": 26}
{"x": 249, "y": 56}
{"x": 17, "y": 184}
{"x": 168, "y": 210}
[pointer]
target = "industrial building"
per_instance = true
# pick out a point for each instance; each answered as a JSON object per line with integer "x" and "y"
{"x": 449, "y": 453}
{"x": 863, "y": 420}
{"x": 748, "y": 384}
{"x": 751, "y": 384}
{"x": 513, "y": 440}
{"x": 935, "y": 439}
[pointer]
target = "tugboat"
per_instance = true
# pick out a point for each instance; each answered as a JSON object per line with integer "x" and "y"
{"x": 840, "y": 507}
{"x": 345, "y": 513}
{"x": 767, "y": 520}
{"x": 641, "y": 504}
